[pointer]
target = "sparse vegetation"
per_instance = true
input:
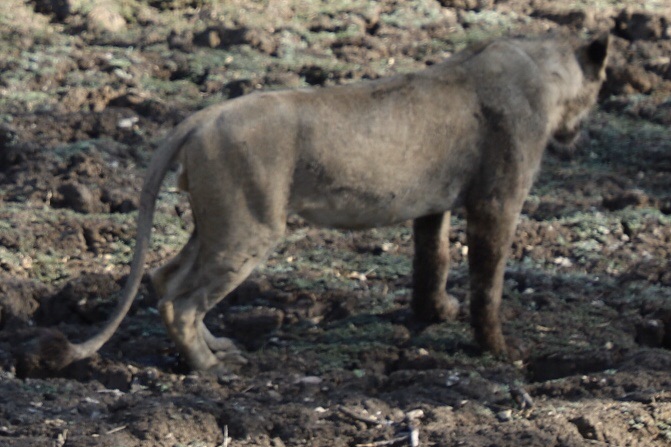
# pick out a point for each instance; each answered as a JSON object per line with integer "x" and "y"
{"x": 88, "y": 88}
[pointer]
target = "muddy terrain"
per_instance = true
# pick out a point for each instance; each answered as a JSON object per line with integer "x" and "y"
{"x": 87, "y": 90}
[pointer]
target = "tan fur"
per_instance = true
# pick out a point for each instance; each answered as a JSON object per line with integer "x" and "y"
{"x": 467, "y": 132}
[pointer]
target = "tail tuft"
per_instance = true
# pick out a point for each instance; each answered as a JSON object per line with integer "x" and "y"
{"x": 44, "y": 354}
{"x": 55, "y": 351}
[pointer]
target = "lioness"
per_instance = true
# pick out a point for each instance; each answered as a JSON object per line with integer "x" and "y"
{"x": 468, "y": 132}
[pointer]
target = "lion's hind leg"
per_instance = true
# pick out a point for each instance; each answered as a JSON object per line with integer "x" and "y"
{"x": 207, "y": 272}
{"x": 431, "y": 265}
{"x": 176, "y": 285}
{"x": 169, "y": 275}
{"x": 170, "y": 270}
{"x": 223, "y": 347}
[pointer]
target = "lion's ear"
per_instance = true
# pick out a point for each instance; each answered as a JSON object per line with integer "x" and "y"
{"x": 597, "y": 50}
{"x": 593, "y": 56}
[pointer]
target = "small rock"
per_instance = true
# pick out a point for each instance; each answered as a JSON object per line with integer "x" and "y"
{"x": 127, "y": 123}
{"x": 562, "y": 261}
{"x": 505, "y": 415}
{"x": 452, "y": 379}
{"x": 415, "y": 414}
{"x": 105, "y": 17}
{"x": 309, "y": 380}
{"x": 117, "y": 378}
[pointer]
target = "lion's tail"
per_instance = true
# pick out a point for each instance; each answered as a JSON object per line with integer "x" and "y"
{"x": 55, "y": 351}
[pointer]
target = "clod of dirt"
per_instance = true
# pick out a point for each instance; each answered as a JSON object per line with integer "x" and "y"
{"x": 412, "y": 359}
{"x": 11, "y": 153}
{"x": 662, "y": 113}
{"x": 222, "y": 37}
{"x": 209, "y": 38}
{"x": 556, "y": 366}
{"x": 623, "y": 199}
{"x": 77, "y": 197}
{"x": 588, "y": 428}
{"x": 473, "y": 5}
{"x": 159, "y": 111}
{"x": 647, "y": 360}
{"x": 79, "y": 301}
{"x": 655, "y": 329}
{"x": 105, "y": 17}
{"x": 660, "y": 65}
{"x": 625, "y": 77}
{"x": 120, "y": 200}
{"x": 665, "y": 205}
{"x": 154, "y": 424}
{"x": 8, "y": 136}
{"x": 314, "y": 75}
{"x": 239, "y": 87}
{"x": 251, "y": 325}
{"x": 287, "y": 79}
{"x": 640, "y": 25}
{"x": 111, "y": 374}
{"x": 577, "y": 18}
{"x": 243, "y": 423}
{"x": 364, "y": 48}
{"x": 60, "y": 9}
{"x": 182, "y": 41}
{"x": 93, "y": 239}
{"x": 18, "y": 301}
{"x": 650, "y": 333}
{"x": 629, "y": 79}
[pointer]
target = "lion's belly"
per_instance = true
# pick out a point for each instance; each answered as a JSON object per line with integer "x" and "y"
{"x": 348, "y": 208}
{"x": 352, "y": 219}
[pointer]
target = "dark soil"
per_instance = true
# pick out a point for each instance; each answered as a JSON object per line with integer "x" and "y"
{"x": 87, "y": 89}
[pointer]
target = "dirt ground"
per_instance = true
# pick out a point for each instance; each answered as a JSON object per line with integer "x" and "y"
{"x": 87, "y": 89}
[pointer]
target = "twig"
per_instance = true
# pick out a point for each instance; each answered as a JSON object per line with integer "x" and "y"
{"x": 115, "y": 430}
{"x": 369, "y": 271}
{"x": 225, "y": 444}
{"x": 368, "y": 420}
{"x": 382, "y": 443}
{"x": 413, "y": 436}
{"x": 62, "y": 438}
{"x": 521, "y": 397}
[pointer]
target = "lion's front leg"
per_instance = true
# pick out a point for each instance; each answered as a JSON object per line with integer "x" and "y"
{"x": 431, "y": 265}
{"x": 490, "y": 228}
